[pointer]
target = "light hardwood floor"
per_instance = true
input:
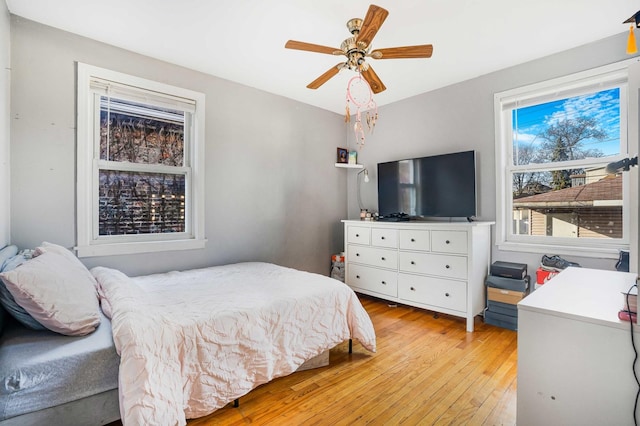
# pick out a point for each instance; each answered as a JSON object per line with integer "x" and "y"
{"x": 427, "y": 370}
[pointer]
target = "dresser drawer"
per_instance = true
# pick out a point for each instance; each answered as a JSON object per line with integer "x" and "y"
{"x": 358, "y": 235}
{"x": 449, "y": 241}
{"x": 383, "y": 258}
{"x": 434, "y": 264}
{"x": 384, "y": 237}
{"x": 372, "y": 279}
{"x": 411, "y": 239}
{"x": 433, "y": 291}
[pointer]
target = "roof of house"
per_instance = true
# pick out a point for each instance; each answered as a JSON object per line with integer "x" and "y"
{"x": 605, "y": 192}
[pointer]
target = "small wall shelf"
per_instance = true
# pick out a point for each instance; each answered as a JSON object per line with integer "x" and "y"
{"x": 349, "y": 166}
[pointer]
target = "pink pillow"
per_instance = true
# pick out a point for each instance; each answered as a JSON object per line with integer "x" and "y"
{"x": 57, "y": 290}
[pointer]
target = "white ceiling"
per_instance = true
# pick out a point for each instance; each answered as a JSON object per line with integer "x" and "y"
{"x": 243, "y": 40}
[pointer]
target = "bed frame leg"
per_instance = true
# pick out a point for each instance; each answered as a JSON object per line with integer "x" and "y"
{"x": 236, "y": 403}
{"x": 350, "y": 346}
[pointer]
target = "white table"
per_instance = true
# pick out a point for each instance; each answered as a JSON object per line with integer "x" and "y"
{"x": 574, "y": 354}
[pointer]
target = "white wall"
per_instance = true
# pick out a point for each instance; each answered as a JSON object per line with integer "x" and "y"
{"x": 5, "y": 76}
{"x": 460, "y": 117}
{"x": 272, "y": 191}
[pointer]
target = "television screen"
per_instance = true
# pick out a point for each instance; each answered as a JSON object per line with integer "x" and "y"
{"x": 435, "y": 186}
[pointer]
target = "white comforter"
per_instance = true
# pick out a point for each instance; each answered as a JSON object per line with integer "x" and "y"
{"x": 191, "y": 342}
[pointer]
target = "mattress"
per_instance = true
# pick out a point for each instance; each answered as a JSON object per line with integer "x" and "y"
{"x": 42, "y": 369}
{"x": 193, "y": 341}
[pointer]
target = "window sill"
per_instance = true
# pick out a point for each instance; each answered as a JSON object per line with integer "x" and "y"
{"x": 139, "y": 247}
{"x": 563, "y": 250}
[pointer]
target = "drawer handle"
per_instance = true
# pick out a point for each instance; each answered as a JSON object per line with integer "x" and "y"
{"x": 412, "y": 288}
{"x": 358, "y": 276}
{"x": 447, "y": 266}
{"x": 447, "y": 242}
{"x": 413, "y": 263}
{"x": 384, "y": 282}
{"x": 413, "y": 240}
{"x": 382, "y": 258}
{"x": 446, "y": 294}
{"x": 382, "y": 238}
{"x": 357, "y": 254}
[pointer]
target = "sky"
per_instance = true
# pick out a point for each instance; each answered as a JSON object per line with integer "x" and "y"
{"x": 604, "y": 106}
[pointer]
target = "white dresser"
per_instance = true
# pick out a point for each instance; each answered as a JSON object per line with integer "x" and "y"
{"x": 440, "y": 266}
{"x": 574, "y": 354}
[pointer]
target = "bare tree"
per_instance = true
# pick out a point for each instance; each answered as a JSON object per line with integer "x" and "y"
{"x": 564, "y": 141}
{"x": 525, "y": 181}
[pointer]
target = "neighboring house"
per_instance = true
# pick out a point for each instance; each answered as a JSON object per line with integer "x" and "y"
{"x": 533, "y": 188}
{"x": 591, "y": 210}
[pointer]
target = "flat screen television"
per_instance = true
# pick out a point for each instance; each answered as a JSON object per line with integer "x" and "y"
{"x": 434, "y": 186}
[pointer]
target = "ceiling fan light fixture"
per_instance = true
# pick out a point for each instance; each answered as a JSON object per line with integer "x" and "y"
{"x": 357, "y": 49}
{"x": 355, "y": 55}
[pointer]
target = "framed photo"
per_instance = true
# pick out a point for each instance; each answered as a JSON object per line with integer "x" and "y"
{"x": 353, "y": 157}
{"x": 343, "y": 156}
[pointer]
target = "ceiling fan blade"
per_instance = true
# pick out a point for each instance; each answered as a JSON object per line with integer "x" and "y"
{"x": 309, "y": 47}
{"x": 374, "y": 81}
{"x": 325, "y": 77}
{"x": 421, "y": 51}
{"x": 371, "y": 24}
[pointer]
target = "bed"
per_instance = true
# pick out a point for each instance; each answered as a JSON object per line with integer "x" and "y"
{"x": 187, "y": 343}
{"x": 49, "y": 378}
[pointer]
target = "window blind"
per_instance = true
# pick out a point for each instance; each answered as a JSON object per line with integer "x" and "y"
{"x": 115, "y": 105}
{"x": 563, "y": 91}
{"x": 141, "y": 96}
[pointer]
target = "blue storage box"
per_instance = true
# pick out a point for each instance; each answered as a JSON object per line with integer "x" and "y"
{"x": 502, "y": 308}
{"x": 508, "y": 283}
{"x": 501, "y": 320}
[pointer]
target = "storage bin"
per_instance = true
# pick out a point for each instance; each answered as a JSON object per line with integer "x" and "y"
{"x": 500, "y": 320}
{"x": 505, "y": 296}
{"x": 508, "y": 283}
{"x": 502, "y": 308}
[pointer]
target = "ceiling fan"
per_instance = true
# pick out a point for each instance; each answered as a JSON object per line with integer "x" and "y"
{"x": 358, "y": 47}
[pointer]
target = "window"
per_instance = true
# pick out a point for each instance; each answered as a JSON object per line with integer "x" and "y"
{"x": 140, "y": 165}
{"x": 553, "y": 143}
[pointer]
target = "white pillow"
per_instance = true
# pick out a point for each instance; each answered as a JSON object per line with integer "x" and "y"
{"x": 57, "y": 290}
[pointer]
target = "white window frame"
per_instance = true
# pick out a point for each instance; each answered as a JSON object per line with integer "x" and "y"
{"x": 566, "y": 86}
{"x": 89, "y": 243}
